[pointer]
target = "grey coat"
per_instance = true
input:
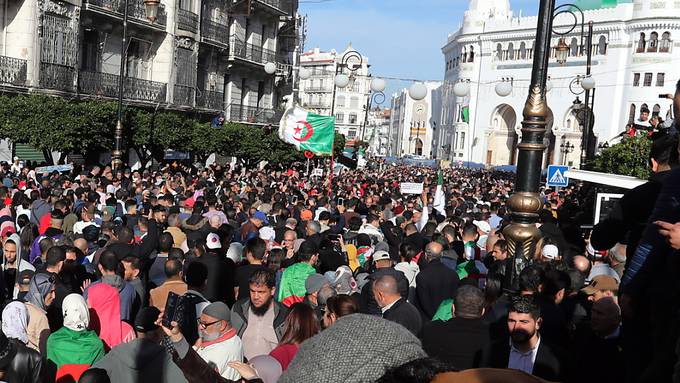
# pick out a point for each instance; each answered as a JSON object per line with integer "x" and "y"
{"x": 239, "y": 317}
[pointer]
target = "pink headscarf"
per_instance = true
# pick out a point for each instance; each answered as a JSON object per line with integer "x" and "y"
{"x": 104, "y": 303}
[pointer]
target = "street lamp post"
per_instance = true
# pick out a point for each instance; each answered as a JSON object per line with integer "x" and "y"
{"x": 376, "y": 96}
{"x": 151, "y": 9}
{"x": 525, "y": 203}
{"x": 566, "y": 148}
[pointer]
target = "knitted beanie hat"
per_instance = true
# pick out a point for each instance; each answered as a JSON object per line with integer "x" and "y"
{"x": 356, "y": 348}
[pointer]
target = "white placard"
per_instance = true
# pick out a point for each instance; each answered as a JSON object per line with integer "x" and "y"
{"x": 318, "y": 172}
{"x": 411, "y": 187}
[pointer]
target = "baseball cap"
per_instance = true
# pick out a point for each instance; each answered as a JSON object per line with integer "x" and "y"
{"x": 212, "y": 241}
{"x": 483, "y": 226}
{"x": 218, "y": 310}
{"x": 146, "y": 319}
{"x": 261, "y": 216}
{"x": 601, "y": 283}
{"x": 381, "y": 256}
{"x": 314, "y": 283}
{"x": 550, "y": 252}
{"x": 6, "y": 229}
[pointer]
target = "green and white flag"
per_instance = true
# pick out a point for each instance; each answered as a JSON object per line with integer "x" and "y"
{"x": 439, "y": 203}
{"x": 307, "y": 131}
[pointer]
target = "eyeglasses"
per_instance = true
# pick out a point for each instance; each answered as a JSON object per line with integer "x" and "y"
{"x": 206, "y": 325}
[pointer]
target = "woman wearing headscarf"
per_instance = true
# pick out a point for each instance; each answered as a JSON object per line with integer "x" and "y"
{"x": 15, "y": 321}
{"x": 105, "y": 304}
{"x": 74, "y": 346}
{"x": 40, "y": 296}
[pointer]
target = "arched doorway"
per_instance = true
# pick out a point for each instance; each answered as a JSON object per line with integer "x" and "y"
{"x": 418, "y": 147}
{"x": 502, "y": 145}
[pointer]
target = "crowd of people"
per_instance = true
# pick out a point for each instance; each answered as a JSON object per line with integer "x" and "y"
{"x": 223, "y": 274}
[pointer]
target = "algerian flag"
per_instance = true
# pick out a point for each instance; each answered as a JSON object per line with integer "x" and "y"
{"x": 439, "y": 197}
{"x": 292, "y": 286}
{"x": 308, "y": 131}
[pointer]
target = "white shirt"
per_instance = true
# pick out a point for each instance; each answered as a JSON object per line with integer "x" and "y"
{"x": 384, "y": 309}
{"x": 217, "y": 355}
{"x": 523, "y": 361}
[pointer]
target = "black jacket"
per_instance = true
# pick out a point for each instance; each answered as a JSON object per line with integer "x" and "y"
{"x": 220, "y": 283}
{"x": 551, "y": 364}
{"x": 406, "y": 315}
{"x": 459, "y": 341}
{"x": 26, "y": 366}
{"x": 367, "y": 303}
{"x": 434, "y": 284}
{"x": 239, "y": 317}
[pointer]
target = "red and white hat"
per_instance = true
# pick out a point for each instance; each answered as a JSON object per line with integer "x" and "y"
{"x": 212, "y": 241}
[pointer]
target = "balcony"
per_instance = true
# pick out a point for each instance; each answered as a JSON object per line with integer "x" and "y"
{"x": 187, "y": 20}
{"x": 252, "y": 115}
{"x": 106, "y": 85}
{"x": 12, "y": 71}
{"x": 184, "y": 95}
{"x": 317, "y": 89}
{"x": 136, "y": 10}
{"x": 250, "y": 52}
{"x": 214, "y": 32}
{"x": 208, "y": 99}
{"x": 57, "y": 77}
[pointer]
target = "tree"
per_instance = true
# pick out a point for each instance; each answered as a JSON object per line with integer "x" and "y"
{"x": 630, "y": 157}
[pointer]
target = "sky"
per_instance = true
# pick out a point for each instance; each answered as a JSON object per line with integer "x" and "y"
{"x": 401, "y": 38}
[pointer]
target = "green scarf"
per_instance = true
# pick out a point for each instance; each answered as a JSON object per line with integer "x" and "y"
{"x": 66, "y": 346}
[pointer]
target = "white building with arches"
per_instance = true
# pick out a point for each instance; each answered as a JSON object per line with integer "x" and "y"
{"x": 634, "y": 54}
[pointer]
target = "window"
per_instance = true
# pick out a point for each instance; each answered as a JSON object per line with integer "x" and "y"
{"x": 464, "y": 55}
{"x": 523, "y": 51}
{"x": 653, "y": 42}
{"x": 353, "y": 103}
{"x": 660, "y": 79}
{"x": 90, "y": 51}
{"x": 636, "y": 79}
{"x": 462, "y": 141}
{"x": 340, "y": 101}
{"x": 339, "y": 117}
{"x": 499, "y": 52}
{"x": 137, "y": 54}
{"x": 351, "y": 133}
{"x": 472, "y": 54}
{"x": 648, "y": 79}
{"x": 352, "y": 118}
{"x": 641, "y": 43}
{"x": 602, "y": 45}
{"x": 665, "y": 45}
{"x": 511, "y": 51}
{"x": 187, "y": 5}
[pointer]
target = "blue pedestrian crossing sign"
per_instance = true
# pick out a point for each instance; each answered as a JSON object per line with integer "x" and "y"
{"x": 557, "y": 176}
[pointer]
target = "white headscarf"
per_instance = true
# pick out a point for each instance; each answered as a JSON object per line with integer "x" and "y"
{"x": 76, "y": 313}
{"x": 15, "y": 320}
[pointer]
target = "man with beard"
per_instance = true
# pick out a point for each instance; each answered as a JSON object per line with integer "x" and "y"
{"x": 258, "y": 319}
{"x": 527, "y": 351}
{"x": 219, "y": 343}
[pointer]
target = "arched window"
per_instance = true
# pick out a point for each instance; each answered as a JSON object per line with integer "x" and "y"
{"x": 573, "y": 47}
{"x": 511, "y": 51}
{"x": 523, "y": 51}
{"x": 472, "y": 54}
{"x": 665, "y": 45}
{"x": 631, "y": 114}
{"x": 464, "y": 55}
{"x": 642, "y": 43}
{"x": 653, "y": 42}
{"x": 602, "y": 45}
{"x": 499, "y": 52}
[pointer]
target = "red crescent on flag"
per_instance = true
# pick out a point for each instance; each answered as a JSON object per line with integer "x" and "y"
{"x": 309, "y": 133}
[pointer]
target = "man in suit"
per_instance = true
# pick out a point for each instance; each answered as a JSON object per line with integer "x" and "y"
{"x": 461, "y": 340}
{"x": 394, "y": 307}
{"x": 526, "y": 351}
{"x": 436, "y": 282}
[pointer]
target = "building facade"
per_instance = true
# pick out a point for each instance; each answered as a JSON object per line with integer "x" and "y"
{"x": 414, "y": 124}
{"x": 633, "y": 52}
{"x": 199, "y": 56}
{"x": 378, "y": 131}
{"x": 320, "y": 95}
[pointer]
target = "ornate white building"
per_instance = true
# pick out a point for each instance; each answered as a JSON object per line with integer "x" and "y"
{"x": 633, "y": 57}
{"x": 413, "y": 124}
{"x": 316, "y": 93}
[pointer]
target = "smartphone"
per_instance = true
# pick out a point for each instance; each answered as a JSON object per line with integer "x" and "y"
{"x": 174, "y": 310}
{"x": 341, "y": 201}
{"x": 666, "y": 96}
{"x": 294, "y": 199}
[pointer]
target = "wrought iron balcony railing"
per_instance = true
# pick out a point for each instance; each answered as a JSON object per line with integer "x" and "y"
{"x": 12, "y": 71}
{"x": 214, "y": 31}
{"x": 253, "y": 115}
{"x": 251, "y": 52}
{"x": 184, "y": 95}
{"x": 207, "y": 99}
{"x": 106, "y": 85}
{"x": 135, "y": 9}
{"x": 58, "y": 77}
{"x": 187, "y": 20}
